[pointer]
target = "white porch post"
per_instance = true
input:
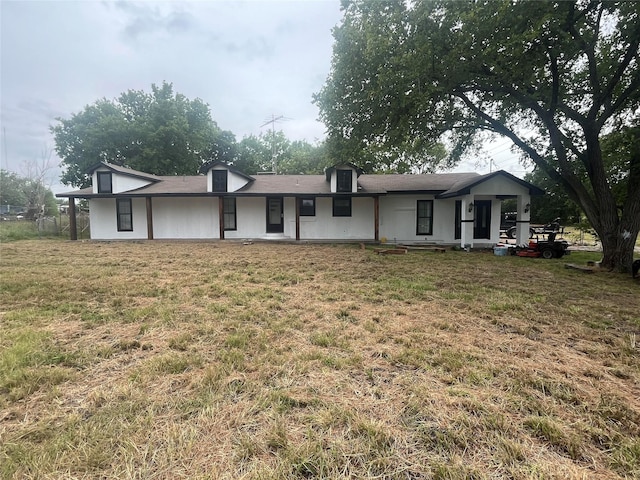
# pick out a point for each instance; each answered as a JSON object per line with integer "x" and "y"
{"x": 523, "y": 218}
{"x": 467, "y": 216}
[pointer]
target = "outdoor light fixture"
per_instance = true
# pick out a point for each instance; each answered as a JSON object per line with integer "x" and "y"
{"x": 527, "y": 207}
{"x": 471, "y": 205}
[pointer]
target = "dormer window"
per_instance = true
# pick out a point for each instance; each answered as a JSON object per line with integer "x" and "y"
{"x": 104, "y": 182}
{"x": 344, "y": 180}
{"x": 219, "y": 180}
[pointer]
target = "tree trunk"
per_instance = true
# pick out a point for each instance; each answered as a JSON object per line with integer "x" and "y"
{"x": 617, "y": 231}
{"x": 618, "y": 247}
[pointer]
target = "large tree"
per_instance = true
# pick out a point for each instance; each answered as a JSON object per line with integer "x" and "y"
{"x": 161, "y": 132}
{"x": 553, "y": 77}
{"x": 618, "y": 149}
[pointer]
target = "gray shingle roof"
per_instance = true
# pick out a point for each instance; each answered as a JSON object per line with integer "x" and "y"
{"x": 444, "y": 184}
{"x": 438, "y": 182}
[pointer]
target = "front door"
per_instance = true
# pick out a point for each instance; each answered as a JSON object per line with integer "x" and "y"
{"x": 275, "y": 215}
{"x": 482, "y": 219}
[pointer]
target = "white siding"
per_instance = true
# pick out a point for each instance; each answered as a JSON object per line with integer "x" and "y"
{"x": 119, "y": 183}
{"x": 235, "y": 182}
{"x": 399, "y": 216}
{"x": 104, "y": 224}
{"x": 197, "y": 217}
{"x": 289, "y": 217}
{"x": 499, "y": 185}
{"x": 251, "y": 218}
{"x": 496, "y": 207}
{"x": 185, "y": 217}
{"x": 324, "y": 226}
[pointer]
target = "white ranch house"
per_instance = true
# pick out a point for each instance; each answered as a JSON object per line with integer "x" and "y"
{"x": 342, "y": 205}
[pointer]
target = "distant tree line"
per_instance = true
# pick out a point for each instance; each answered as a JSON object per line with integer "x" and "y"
{"x": 19, "y": 194}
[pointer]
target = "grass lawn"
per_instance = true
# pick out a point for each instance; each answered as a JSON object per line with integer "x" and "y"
{"x": 160, "y": 360}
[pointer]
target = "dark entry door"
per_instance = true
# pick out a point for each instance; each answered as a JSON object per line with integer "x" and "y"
{"x": 275, "y": 215}
{"x": 458, "y": 221}
{"x": 482, "y": 219}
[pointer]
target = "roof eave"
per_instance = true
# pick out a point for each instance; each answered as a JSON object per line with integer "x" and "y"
{"x": 466, "y": 188}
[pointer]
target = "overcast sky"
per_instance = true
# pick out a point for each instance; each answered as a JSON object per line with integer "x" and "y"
{"x": 249, "y": 60}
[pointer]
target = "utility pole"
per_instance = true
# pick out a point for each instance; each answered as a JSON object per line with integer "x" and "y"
{"x": 272, "y": 121}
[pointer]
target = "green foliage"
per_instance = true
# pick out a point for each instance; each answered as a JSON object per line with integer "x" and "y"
{"x": 556, "y": 203}
{"x": 165, "y": 133}
{"x": 253, "y": 156}
{"x": 304, "y": 158}
{"x": 50, "y": 205}
{"x": 618, "y": 148}
{"x": 12, "y": 189}
{"x": 161, "y": 132}
{"x": 621, "y": 153}
{"x": 553, "y": 77}
{"x": 21, "y": 230}
{"x": 273, "y": 152}
{"x": 223, "y": 147}
{"x": 25, "y": 193}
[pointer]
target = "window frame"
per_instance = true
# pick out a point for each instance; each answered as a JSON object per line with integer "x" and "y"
{"x": 219, "y": 174}
{"x": 307, "y": 211}
{"x": 344, "y": 181}
{"x": 100, "y": 176}
{"x": 229, "y": 207}
{"x": 120, "y": 214}
{"x": 429, "y": 218}
{"x": 336, "y": 210}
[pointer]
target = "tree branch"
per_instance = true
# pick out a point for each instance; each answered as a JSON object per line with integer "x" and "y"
{"x": 630, "y": 54}
{"x": 589, "y": 49}
{"x": 616, "y": 106}
{"x": 565, "y": 177}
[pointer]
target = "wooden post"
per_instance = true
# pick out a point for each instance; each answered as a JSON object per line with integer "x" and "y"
{"x": 297, "y": 200}
{"x": 221, "y": 216}
{"x": 149, "y": 219}
{"x": 376, "y": 215}
{"x": 73, "y": 231}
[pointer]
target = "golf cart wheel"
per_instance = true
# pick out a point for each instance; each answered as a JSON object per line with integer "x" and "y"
{"x": 548, "y": 253}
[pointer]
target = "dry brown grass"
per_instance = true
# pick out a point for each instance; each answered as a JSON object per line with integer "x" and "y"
{"x": 220, "y": 360}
